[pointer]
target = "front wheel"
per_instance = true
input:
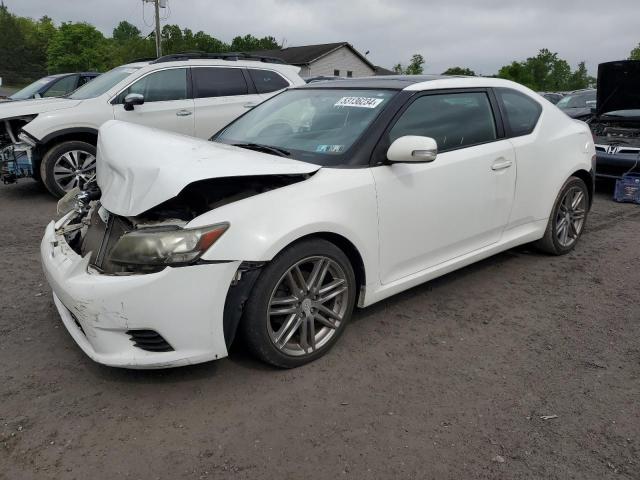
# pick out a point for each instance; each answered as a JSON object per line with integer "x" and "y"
{"x": 568, "y": 218}
{"x": 300, "y": 304}
{"x": 68, "y": 165}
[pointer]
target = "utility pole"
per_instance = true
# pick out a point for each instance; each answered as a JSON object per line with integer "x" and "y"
{"x": 158, "y": 45}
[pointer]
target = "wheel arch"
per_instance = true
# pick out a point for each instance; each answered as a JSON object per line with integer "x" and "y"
{"x": 236, "y": 298}
{"x": 588, "y": 179}
{"x": 349, "y": 249}
{"x": 82, "y": 134}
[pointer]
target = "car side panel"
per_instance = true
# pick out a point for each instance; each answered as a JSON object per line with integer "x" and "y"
{"x": 89, "y": 113}
{"x": 556, "y": 148}
{"x": 340, "y": 201}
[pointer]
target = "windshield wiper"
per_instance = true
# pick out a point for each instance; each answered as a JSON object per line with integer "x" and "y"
{"x": 281, "y": 152}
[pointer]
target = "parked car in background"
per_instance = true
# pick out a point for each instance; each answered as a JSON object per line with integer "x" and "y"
{"x": 326, "y": 196}
{"x": 192, "y": 94}
{"x": 54, "y": 86}
{"x": 578, "y": 104}
{"x": 553, "y": 97}
{"x": 616, "y": 123}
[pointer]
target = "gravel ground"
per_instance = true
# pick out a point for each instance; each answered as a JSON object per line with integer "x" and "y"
{"x": 451, "y": 379}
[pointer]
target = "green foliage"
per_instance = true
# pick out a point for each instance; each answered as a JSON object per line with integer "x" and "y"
{"x": 635, "y": 53}
{"x": 415, "y": 66}
{"x": 546, "y": 72}
{"x": 249, "y": 43}
{"x": 76, "y": 47}
{"x": 31, "y": 49}
{"x": 459, "y": 71}
{"x": 125, "y": 32}
{"x": 20, "y": 57}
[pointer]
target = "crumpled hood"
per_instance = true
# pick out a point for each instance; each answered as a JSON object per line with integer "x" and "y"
{"x": 140, "y": 167}
{"x": 20, "y": 108}
{"x": 618, "y": 86}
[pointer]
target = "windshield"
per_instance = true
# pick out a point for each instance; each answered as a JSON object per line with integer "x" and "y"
{"x": 103, "y": 83}
{"x": 317, "y": 126}
{"x": 30, "y": 90}
{"x": 578, "y": 100}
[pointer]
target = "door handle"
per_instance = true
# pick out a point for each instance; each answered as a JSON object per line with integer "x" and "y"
{"x": 250, "y": 105}
{"x": 183, "y": 113}
{"x": 501, "y": 164}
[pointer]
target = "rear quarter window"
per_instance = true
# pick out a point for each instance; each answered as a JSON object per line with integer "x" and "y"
{"x": 521, "y": 111}
{"x": 267, "y": 81}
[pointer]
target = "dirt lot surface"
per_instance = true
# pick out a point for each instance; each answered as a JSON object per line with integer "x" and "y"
{"x": 448, "y": 380}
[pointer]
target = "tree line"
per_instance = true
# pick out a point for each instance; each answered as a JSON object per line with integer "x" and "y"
{"x": 31, "y": 49}
{"x": 546, "y": 72}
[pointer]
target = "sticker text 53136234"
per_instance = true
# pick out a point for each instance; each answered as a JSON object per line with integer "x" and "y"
{"x": 361, "y": 102}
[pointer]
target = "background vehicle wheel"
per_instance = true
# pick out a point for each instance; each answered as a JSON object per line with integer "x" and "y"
{"x": 300, "y": 304}
{"x": 68, "y": 165}
{"x": 568, "y": 218}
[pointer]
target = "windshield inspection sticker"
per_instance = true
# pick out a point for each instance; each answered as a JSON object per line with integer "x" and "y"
{"x": 329, "y": 148}
{"x": 361, "y": 102}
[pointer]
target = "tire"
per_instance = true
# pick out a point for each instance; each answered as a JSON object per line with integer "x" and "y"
{"x": 66, "y": 165}
{"x": 279, "y": 302}
{"x": 553, "y": 241}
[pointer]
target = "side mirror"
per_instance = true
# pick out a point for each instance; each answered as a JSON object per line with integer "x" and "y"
{"x": 37, "y": 95}
{"x": 133, "y": 99}
{"x": 413, "y": 149}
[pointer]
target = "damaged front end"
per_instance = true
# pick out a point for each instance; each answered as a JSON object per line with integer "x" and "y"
{"x": 125, "y": 245}
{"x": 16, "y": 150}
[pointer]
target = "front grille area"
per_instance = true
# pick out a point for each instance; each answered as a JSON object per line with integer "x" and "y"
{"x": 149, "y": 340}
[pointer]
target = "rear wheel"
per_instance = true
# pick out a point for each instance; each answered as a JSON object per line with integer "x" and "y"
{"x": 68, "y": 165}
{"x": 300, "y": 305}
{"x": 567, "y": 219}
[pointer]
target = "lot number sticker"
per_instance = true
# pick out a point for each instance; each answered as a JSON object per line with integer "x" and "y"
{"x": 361, "y": 102}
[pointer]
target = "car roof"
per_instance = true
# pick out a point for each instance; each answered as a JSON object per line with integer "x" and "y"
{"x": 393, "y": 82}
{"x": 416, "y": 82}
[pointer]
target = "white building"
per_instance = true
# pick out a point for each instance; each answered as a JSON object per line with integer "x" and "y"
{"x": 328, "y": 59}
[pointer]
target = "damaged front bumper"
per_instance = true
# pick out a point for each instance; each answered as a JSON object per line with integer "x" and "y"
{"x": 116, "y": 319}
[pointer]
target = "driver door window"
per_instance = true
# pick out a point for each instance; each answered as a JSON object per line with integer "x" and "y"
{"x": 452, "y": 120}
{"x": 162, "y": 86}
{"x": 166, "y": 102}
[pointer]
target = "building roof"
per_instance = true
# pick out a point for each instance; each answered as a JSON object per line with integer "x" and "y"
{"x": 306, "y": 54}
{"x": 383, "y": 71}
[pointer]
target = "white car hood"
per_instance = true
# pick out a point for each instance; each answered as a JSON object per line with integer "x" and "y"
{"x": 140, "y": 167}
{"x": 19, "y": 108}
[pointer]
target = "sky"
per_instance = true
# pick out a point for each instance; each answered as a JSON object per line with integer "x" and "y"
{"x": 479, "y": 34}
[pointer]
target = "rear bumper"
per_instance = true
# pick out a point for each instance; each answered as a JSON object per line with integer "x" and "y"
{"x": 184, "y": 305}
{"x": 615, "y": 165}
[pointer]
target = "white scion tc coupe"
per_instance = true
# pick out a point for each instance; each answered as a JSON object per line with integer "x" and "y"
{"x": 323, "y": 197}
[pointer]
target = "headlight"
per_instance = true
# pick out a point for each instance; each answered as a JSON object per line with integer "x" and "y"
{"x": 152, "y": 246}
{"x": 68, "y": 202}
{"x": 23, "y": 137}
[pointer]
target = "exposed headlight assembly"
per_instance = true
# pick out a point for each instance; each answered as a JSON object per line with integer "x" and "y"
{"x": 161, "y": 246}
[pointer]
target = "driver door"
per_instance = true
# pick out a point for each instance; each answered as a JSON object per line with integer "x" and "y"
{"x": 430, "y": 213}
{"x": 168, "y": 103}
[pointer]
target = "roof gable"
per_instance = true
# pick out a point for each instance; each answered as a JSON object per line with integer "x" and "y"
{"x": 306, "y": 54}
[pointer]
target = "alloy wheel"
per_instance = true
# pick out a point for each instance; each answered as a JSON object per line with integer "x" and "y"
{"x": 75, "y": 168}
{"x": 307, "y": 305}
{"x": 570, "y": 217}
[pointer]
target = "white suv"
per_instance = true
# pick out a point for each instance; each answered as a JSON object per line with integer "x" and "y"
{"x": 54, "y": 140}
